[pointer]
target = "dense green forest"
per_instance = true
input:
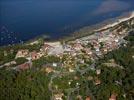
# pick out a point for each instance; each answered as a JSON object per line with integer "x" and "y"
{"x": 27, "y": 85}
{"x": 119, "y": 80}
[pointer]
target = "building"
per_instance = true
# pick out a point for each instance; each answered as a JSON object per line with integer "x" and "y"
{"x": 71, "y": 70}
{"x": 49, "y": 69}
{"x": 54, "y": 64}
{"x": 104, "y": 50}
{"x": 46, "y": 47}
{"x": 10, "y": 63}
{"x": 133, "y": 56}
{"x": 113, "y": 97}
{"x": 88, "y": 98}
{"x": 35, "y": 55}
{"x": 90, "y": 78}
{"x": 79, "y": 97}
{"x": 58, "y": 96}
{"x": 88, "y": 51}
{"x": 77, "y": 46}
{"x": 5, "y": 53}
{"x": 97, "y": 82}
{"x": 22, "y": 53}
{"x": 98, "y": 71}
{"x": 24, "y": 66}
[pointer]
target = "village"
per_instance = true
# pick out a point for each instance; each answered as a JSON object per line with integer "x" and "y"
{"x": 91, "y": 47}
{"x": 67, "y": 59}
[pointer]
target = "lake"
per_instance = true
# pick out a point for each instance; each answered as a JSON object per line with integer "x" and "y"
{"x": 22, "y": 20}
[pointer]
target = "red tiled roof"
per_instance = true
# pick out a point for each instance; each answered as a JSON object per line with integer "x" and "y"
{"x": 88, "y": 98}
{"x": 113, "y": 97}
{"x": 24, "y": 66}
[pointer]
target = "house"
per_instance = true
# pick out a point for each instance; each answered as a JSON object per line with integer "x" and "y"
{"x": 90, "y": 78}
{"x": 76, "y": 78}
{"x": 60, "y": 55}
{"x": 133, "y": 56}
{"x": 98, "y": 53}
{"x": 77, "y": 46}
{"x": 82, "y": 61}
{"x": 13, "y": 62}
{"x": 22, "y": 53}
{"x": 10, "y": 63}
{"x": 104, "y": 50}
{"x": 88, "y": 98}
{"x": 24, "y": 66}
{"x": 71, "y": 70}
{"x": 5, "y": 53}
{"x": 49, "y": 69}
{"x": 69, "y": 83}
{"x": 58, "y": 96}
{"x": 97, "y": 82}
{"x": 77, "y": 84}
{"x": 114, "y": 45}
{"x": 73, "y": 53}
{"x": 7, "y": 64}
{"x": 79, "y": 97}
{"x": 113, "y": 97}
{"x": 54, "y": 64}
{"x": 11, "y": 51}
{"x": 35, "y": 55}
{"x": 98, "y": 71}
{"x": 40, "y": 54}
{"x": 97, "y": 49}
{"x": 88, "y": 51}
{"x": 67, "y": 47}
{"x": 46, "y": 47}
{"x": 116, "y": 40}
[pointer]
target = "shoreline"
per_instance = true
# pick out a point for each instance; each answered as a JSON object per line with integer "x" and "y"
{"x": 87, "y": 30}
{"x": 118, "y": 21}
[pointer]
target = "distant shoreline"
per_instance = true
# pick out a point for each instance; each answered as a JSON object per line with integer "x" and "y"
{"x": 117, "y": 21}
{"x": 88, "y": 30}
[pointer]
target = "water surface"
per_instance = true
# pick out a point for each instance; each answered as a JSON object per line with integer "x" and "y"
{"x": 22, "y": 20}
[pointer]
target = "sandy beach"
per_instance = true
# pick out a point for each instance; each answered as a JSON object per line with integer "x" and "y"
{"x": 88, "y": 30}
{"x": 118, "y": 21}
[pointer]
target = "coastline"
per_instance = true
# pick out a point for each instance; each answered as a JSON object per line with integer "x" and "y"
{"x": 89, "y": 30}
{"x": 85, "y": 31}
{"x": 118, "y": 21}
